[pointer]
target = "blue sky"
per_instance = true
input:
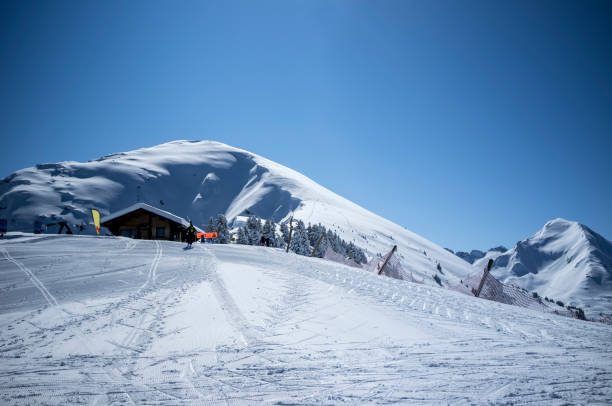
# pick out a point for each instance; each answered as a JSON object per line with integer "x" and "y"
{"x": 471, "y": 123}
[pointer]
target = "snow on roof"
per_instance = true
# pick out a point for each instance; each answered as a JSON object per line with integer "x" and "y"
{"x": 149, "y": 208}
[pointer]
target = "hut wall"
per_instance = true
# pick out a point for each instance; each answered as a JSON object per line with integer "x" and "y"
{"x": 142, "y": 224}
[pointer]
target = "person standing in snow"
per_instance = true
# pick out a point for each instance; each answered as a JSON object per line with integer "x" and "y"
{"x": 191, "y": 234}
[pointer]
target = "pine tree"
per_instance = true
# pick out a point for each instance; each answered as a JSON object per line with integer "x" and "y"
{"x": 210, "y": 227}
{"x": 242, "y": 236}
{"x": 269, "y": 232}
{"x": 299, "y": 240}
{"x": 310, "y": 233}
{"x": 337, "y": 244}
{"x": 358, "y": 255}
{"x": 253, "y": 229}
{"x": 284, "y": 229}
{"x": 350, "y": 251}
{"x": 333, "y": 241}
{"x": 322, "y": 247}
{"x": 438, "y": 280}
{"x": 223, "y": 234}
{"x": 340, "y": 245}
{"x": 314, "y": 232}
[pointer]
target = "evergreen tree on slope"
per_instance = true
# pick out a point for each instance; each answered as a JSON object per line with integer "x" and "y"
{"x": 284, "y": 229}
{"x": 210, "y": 227}
{"x": 359, "y": 256}
{"x": 269, "y": 232}
{"x": 242, "y": 236}
{"x": 299, "y": 240}
{"x": 222, "y": 230}
{"x": 313, "y": 237}
{"x": 253, "y": 229}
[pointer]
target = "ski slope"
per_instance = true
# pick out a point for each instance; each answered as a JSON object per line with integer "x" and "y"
{"x": 104, "y": 320}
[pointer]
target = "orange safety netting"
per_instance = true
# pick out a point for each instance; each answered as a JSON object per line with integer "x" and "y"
{"x": 207, "y": 235}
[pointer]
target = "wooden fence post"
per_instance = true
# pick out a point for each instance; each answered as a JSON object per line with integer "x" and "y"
{"x": 484, "y": 276}
{"x": 317, "y": 245}
{"x": 382, "y": 268}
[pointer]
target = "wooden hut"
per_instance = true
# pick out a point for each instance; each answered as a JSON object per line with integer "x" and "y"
{"x": 146, "y": 222}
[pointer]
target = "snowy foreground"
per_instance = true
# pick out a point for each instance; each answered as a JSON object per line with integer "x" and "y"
{"x": 88, "y": 320}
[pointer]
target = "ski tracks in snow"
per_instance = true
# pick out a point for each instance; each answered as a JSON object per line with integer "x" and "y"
{"x": 152, "y": 274}
{"x": 35, "y": 281}
{"x": 231, "y": 310}
{"x": 110, "y": 378}
{"x": 428, "y": 302}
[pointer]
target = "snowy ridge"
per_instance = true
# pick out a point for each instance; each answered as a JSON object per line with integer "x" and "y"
{"x": 564, "y": 261}
{"x": 475, "y": 255}
{"x": 146, "y": 322}
{"x": 196, "y": 180}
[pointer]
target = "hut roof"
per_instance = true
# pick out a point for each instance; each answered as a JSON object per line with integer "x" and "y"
{"x": 149, "y": 208}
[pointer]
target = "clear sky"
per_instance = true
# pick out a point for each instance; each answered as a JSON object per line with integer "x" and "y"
{"x": 471, "y": 123}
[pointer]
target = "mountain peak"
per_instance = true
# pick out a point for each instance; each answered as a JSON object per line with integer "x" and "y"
{"x": 559, "y": 225}
{"x": 564, "y": 260}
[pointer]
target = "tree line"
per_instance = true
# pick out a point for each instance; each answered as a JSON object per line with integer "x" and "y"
{"x": 303, "y": 238}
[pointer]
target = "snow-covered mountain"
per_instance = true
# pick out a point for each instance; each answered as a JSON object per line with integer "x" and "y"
{"x": 564, "y": 261}
{"x": 475, "y": 255}
{"x": 197, "y": 180}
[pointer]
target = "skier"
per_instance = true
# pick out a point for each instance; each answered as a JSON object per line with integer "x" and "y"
{"x": 191, "y": 234}
{"x": 264, "y": 241}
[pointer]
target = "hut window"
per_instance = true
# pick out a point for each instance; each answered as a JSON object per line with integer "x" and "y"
{"x": 128, "y": 233}
{"x": 160, "y": 232}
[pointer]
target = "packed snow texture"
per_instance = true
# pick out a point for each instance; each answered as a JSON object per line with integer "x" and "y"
{"x": 197, "y": 180}
{"x": 563, "y": 261}
{"x": 110, "y": 320}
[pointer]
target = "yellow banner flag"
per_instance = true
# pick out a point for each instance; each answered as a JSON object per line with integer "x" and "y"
{"x": 96, "y": 217}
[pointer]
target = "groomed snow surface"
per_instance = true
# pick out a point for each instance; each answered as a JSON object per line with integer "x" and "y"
{"x": 89, "y": 320}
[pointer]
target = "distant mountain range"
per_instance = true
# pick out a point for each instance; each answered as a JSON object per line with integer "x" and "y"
{"x": 564, "y": 261}
{"x": 474, "y": 255}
